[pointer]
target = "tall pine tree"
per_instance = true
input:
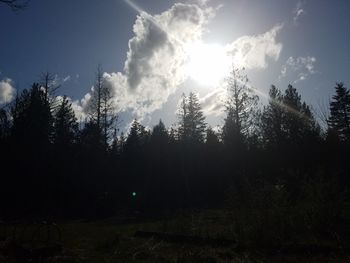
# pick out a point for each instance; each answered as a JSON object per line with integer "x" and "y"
{"x": 339, "y": 120}
{"x": 192, "y": 124}
{"x": 240, "y": 107}
{"x": 65, "y": 124}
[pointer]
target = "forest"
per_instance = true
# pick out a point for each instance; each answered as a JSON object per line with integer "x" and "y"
{"x": 80, "y": 184}
{"x": 277, "y": 174}
{"x": 278, "y": 155}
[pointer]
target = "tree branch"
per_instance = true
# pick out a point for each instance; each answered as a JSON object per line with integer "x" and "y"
{"x": 16, "y": 5}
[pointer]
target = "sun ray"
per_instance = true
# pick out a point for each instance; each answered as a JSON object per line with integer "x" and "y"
{"x": 153, "y": 21}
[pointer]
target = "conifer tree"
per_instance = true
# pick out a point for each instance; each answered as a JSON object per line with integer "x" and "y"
{"x": 65, "y": 124}
{"x": 32, "y": 118}
{"x": 339, "y": 120}
{"x": 272, "y": 119}
{"x": 192, "y": 121}
{"x": 298, "y": 121}
{"x": 240, "y": 107}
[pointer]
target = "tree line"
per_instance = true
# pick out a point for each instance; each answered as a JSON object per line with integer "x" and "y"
{"x": 54, "y": 165}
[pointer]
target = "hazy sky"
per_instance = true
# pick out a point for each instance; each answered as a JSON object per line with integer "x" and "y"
{"x": 146, "y": 47}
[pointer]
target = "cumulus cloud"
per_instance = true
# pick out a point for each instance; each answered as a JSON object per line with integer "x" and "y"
{"x": 80, "y": 107}
{"x": 154, "y": 67}
{"x": 254, "y": 51}
{"x": 157, "y": 55}
{"x": 301, "y": 66}
{"x": 7, "y": 91}
{"x": 251, "y": 52}
{"x": 298, "y": 12}
{"x": 155, "y": 61}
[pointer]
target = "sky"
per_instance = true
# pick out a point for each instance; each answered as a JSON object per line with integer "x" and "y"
{"x": 152, "y": 51}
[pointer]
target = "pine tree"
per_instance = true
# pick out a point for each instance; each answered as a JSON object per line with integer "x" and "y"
{"x": 211, "y": 137}
{"x": 240, "y": 107}
{"x": 339, "y": 120}
{"x": 272, "y": 119}
{"x": 159, "y": 136}
{"x": 298, "y": 121}
{"x": 65, "y": 124}
{"x": 192, "y": 121}
{"x": 137, "y": 138}
{"x": 4, "y": 125}
{"x": 32, "y": 118}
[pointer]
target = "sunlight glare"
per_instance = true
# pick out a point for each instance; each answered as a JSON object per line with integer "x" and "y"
{"x": 208, "y": 63}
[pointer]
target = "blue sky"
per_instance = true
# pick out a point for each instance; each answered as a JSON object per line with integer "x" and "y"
{"x": 300, "y": 42}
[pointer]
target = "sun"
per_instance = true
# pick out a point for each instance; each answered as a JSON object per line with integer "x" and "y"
{"x": 208, "y": 64}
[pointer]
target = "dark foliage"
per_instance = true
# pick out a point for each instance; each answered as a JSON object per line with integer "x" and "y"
{"x": 274, "y": 169}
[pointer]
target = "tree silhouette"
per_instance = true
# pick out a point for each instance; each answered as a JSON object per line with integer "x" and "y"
{"x": 4, "y": 125}
{"x": 101, "y": 110}
{"x": 65, "y": 124}
{"x": 211, "y": 137}
{"x": 159, "y": 136}
{"x": 48, "y": 82}
{"x": 272, "y": 119}
{"x": 240, "y": 106}
{"x": 339, "y": 120}
{"x": 192, "y": 121}
{"x": 91, "y": 137}
{"x": 32, "y": 118}
{"x": 299, "y": 123}
{"x": 137, "y": 138}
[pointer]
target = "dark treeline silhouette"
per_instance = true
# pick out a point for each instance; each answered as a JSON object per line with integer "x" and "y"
{"x": 276, "y": 158}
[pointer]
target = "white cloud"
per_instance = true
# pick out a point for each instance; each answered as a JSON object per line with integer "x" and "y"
{"x": 80, "y": 107}
{"x": 7, "y": 91}
{"x": 302, "y": 67}
{"x": 76, "y": 106}
{"x": 79, "y": 111}
{"x": 298, "y": 12}
{"x": 253, "y": 51}
{"x": 67, "y": 78}
{"x": 214, "y": 102}
{"x": 154, "y": 67}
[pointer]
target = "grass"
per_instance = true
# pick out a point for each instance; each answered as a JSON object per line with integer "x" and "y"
{"x": 106, "y": 241}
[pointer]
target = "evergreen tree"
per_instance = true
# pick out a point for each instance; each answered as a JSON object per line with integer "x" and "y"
{"x": 4, "y": 125}
{"x": 192, "y": 121}
{"x": 121, "y": 143}
{"x": 159, "y": 136}
{"x": 32, "y": 118}
{"x": 137, "y": 138}
{"x": 90, "y": 137}
{"x": 339, "y": 120}
{"x": 240, "y": 107}
{"x": 212, "y": 138}
{"x": 65, "y": 124}
{"x": 272, "y": 119}
{"x": 299, "y": 123}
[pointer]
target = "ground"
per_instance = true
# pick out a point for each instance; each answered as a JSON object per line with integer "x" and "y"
{"x": 114, "y": 240}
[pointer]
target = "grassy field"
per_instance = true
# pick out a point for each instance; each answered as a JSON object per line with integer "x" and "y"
{"x": 113, "y": 240}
